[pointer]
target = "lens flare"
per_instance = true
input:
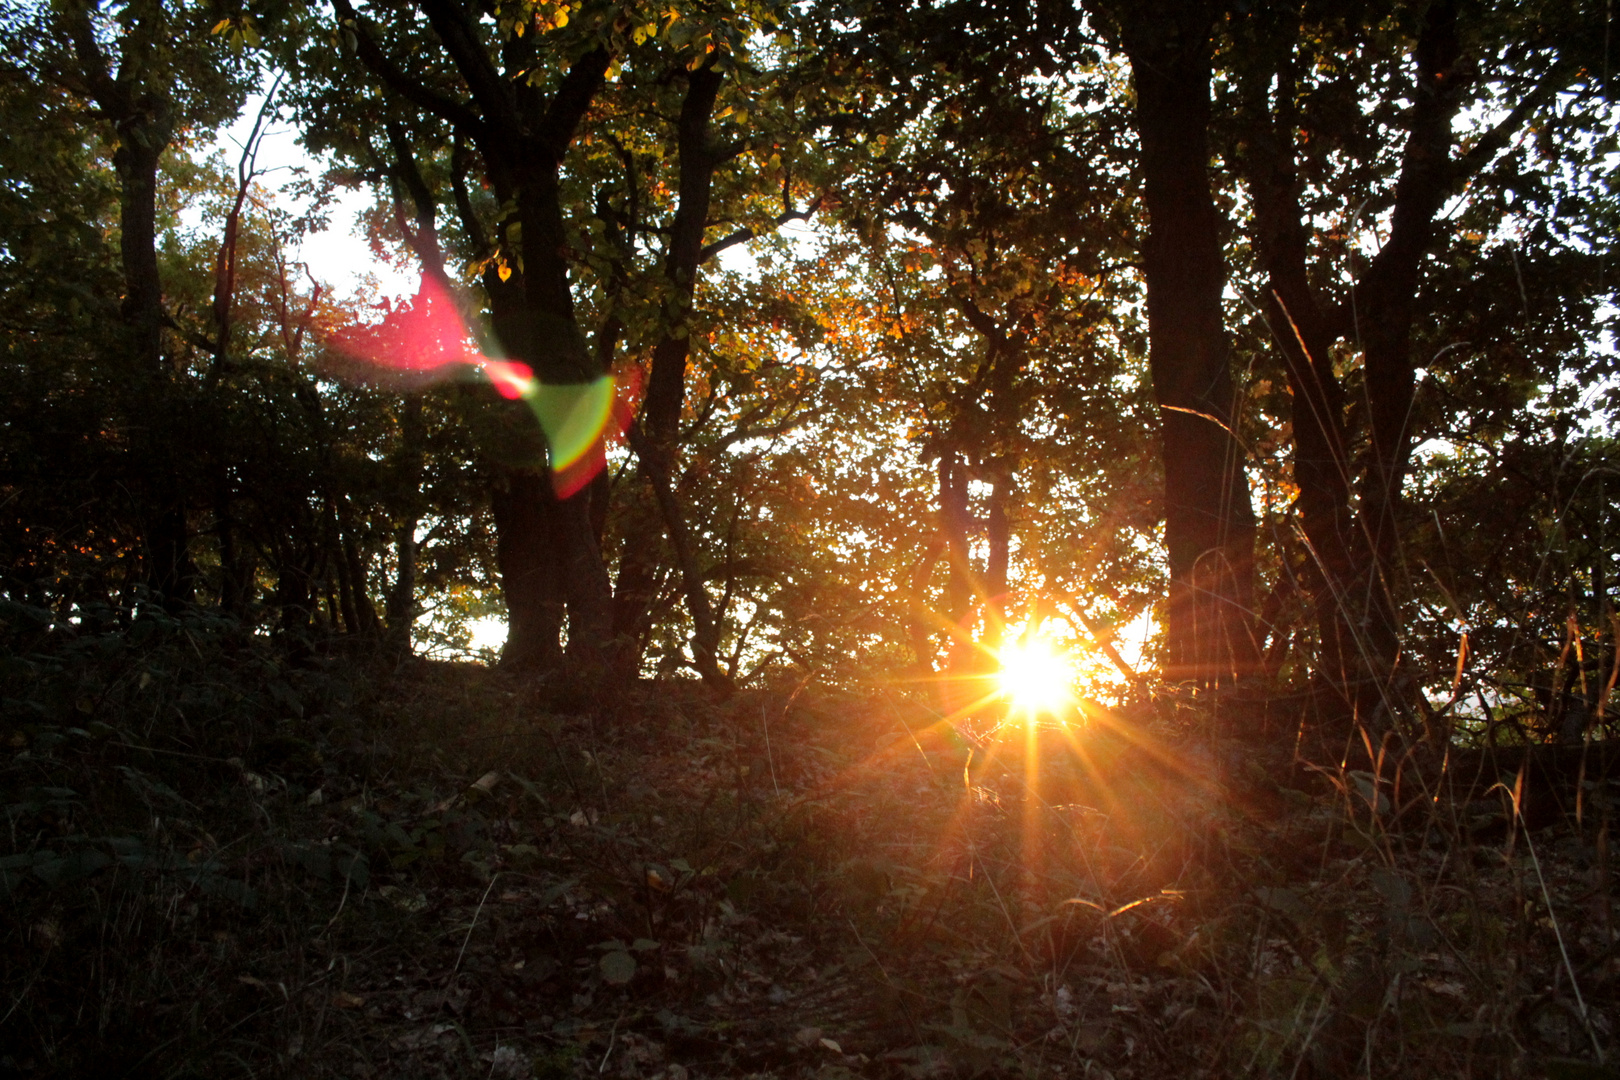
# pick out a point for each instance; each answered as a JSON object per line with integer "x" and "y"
{"x": 1037, "y": 676}
{"x": 424, "y": 341}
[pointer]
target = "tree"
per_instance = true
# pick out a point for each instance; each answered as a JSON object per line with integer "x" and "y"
{"x": 150, "y": 72}
{"x": 1316, "y": 169}
{"x": 1209, "y": 520}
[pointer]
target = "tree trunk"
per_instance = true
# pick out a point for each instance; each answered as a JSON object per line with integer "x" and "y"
{"x": 955, "y": 526}
{"x": 400, "y": 607}
{"x": 143, "y": 120}
{"x": 526, "y": 544}
{"x": 998, "y": 535}
{"x": 1354, "y": 559}
{"x": 1386, "y": 298}
{"x": 1209, "y": 522}
{"x": 1303, "y": 334}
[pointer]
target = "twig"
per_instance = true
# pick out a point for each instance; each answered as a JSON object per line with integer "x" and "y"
{"x": 344, "y": 899}
{"x": 770, "y": 758}
{"x": 478, "y": 911}
{"x": 613, "y": 1036}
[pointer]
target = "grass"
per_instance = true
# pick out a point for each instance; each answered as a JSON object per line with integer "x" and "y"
{"x": 222, "y": 860}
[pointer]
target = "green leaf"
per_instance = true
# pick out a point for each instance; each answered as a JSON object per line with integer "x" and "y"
{"x": 617, "y": 968}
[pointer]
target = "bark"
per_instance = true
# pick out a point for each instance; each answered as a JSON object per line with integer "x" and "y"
{"x": 955, "y": 526}
{"x": 400, "y": 607}
{"x": 526, "y": 539}
{"x": 237, "y": 566}
{"x": 1385, "y": 300}
{"x": 1209, "y": 522}
{"x": 366, "y": 622}
{"x": 918, "y": 624}
{"x": 1303, "y": 334}
{"x": 998, "y": 535}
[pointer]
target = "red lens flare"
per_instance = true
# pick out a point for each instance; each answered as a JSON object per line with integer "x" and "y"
{"x": 424, "y": 341}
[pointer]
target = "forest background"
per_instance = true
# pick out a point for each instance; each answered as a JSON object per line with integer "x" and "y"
{"x": 1282, "y": 334}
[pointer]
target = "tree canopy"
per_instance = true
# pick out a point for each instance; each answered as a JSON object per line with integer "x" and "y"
{"x": 1281, "y": 334}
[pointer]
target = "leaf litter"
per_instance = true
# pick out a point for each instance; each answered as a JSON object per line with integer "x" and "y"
{"x": 492, "y": 886}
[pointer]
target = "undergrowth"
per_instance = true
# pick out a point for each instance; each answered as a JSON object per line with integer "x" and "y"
{"x": 227, "y": 858}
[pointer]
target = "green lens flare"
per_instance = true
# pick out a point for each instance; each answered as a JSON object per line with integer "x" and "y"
{"x": 573, "y": 416}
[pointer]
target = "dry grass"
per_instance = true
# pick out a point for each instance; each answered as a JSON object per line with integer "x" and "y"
{"x": 222, "y": 863}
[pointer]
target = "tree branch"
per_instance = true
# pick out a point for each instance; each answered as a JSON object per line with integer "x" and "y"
{"x": 742, "y": 236}
{"x": 491, "y": 93}
{"x": 572, "y": 100}
{"x": 1493, "y": 141}
{"x": 371, "y": 54}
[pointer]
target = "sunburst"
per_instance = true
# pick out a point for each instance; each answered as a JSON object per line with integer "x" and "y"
{"x": 1037, "y": 676}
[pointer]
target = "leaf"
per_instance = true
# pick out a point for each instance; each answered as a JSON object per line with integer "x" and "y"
{"x": 617, "y": 967}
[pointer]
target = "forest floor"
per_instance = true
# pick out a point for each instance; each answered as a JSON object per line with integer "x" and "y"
{"x": 223, "y": 862}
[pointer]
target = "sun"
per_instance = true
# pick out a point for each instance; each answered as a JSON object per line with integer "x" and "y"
{"x": 1037, "y": 676}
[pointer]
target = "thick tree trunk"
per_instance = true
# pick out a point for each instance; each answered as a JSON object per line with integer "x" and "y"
{"x": 548, "y": 554}
{"x": 526, "y": 544}
{"x": 1209, "y": 522}
{"x": 143, "y": 120}
{"x": 143, "y": 136}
